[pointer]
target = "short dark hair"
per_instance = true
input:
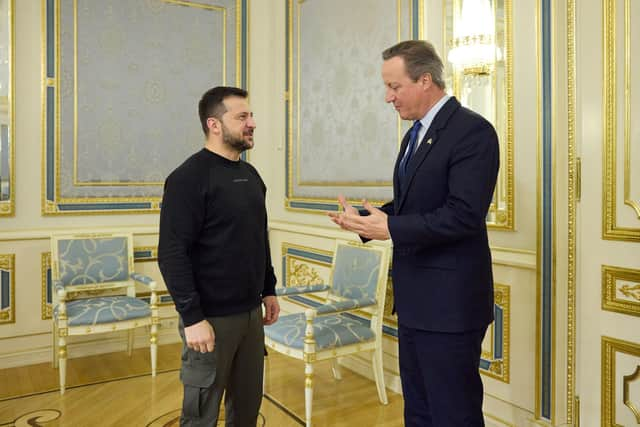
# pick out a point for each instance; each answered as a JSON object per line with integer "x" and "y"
{"x": 420, "y": 57}
{"x": 211, "y": 104}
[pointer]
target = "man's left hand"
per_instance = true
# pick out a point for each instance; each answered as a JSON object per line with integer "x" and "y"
{"x": 373, "y": 226}
{"x": 271, "y": 309}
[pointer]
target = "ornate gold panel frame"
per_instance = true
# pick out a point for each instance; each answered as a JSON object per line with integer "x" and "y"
{"x": 53, "y": 202}
{"x": 630, "y": 288}
{"x": 611, "y": 346}
{"x": 7, "y": 105}
{"x": 610, "y": 228}
{"x": 319, "y": 205}
{"x": 8, "y": 288}
{"x": 501, "y": 212}
{"x": 496, "y": 363}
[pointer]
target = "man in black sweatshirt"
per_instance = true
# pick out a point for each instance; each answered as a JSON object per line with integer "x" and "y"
{"x": 215, "y": 260}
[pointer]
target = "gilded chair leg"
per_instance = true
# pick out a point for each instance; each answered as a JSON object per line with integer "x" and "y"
{"x": 335, "y": 367}
{"x": 54, "y": 356}
{"x": 62, "y": 355}
{"x": 130, "y": 337}
{"x": 308, "y": 392}
{"x": 378, "y": 374}
{"x": 154, "y": 348}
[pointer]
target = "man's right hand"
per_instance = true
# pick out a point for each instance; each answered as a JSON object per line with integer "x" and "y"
{"x": 348, "y": 211}
{"x": 200, "y": 336}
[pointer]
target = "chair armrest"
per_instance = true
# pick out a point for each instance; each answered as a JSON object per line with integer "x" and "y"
{"x": 296, "y": 290}
{"x": 145, "y": 280}
{"x": 59, "y": 289}
{"x": 344, "y": 305}
{"x": 58, "y": 285}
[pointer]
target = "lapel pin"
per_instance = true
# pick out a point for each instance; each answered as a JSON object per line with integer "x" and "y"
{"x": 429, "y": 141}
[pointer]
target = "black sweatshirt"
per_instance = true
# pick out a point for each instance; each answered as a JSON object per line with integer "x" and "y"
{"x": 214, "y": 250}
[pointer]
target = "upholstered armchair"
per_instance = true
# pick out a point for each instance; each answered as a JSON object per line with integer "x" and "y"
{"x": 349, "y": 322}
{"x": 94, "y": 291}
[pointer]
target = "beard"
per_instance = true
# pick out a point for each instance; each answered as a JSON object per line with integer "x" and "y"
{"x": 238, "y": 143}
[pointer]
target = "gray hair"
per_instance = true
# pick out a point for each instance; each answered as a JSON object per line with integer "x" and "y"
{"x": 420, "y": 58}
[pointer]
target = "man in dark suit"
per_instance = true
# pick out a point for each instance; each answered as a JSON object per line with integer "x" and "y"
{"x": 443, "y": 183}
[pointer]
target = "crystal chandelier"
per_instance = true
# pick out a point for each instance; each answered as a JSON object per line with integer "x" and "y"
{"x": 473, "y": 50}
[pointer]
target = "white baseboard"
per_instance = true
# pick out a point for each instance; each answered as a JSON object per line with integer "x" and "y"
{"x": 109, "y": 343}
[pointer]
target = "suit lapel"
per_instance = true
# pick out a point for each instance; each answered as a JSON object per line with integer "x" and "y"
{"x": 430, "y": 139}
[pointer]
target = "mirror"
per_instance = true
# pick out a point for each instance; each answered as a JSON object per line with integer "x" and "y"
{"x": 6, "y": 108}
{"x": 479, "y": 72}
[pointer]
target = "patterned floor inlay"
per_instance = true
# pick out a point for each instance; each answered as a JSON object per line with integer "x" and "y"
{"x": 34, "y": 419}
{"x": 171, "y": 419}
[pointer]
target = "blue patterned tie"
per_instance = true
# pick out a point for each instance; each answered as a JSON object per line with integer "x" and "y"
{"x": 413, "y": 138}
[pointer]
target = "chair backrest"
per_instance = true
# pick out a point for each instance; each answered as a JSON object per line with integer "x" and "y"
{"x": 360, "y": 271}
{"x": 92, "y": 258}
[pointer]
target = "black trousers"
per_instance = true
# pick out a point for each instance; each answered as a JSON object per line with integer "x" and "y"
{"x": 235, "y": 368}
{"x": 441, "y": 383}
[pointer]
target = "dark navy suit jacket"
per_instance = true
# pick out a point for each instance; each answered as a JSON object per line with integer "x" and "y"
{"x": 442, "y": 279}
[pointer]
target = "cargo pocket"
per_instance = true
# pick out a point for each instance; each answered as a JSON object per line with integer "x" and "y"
{"x": 198, "y": 377}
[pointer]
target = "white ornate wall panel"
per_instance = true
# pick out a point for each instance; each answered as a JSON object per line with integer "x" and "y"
{"x": 121, "y": 84}
{"x": 341, "y": 136}
{"x": 621, "y": 175}
{"x": 608, "y": 257}
{"x": 620, "y": 383}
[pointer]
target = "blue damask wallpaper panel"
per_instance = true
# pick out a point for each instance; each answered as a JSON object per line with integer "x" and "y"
{"x": 127, "y": 77}
{"x": 342, "y": 137}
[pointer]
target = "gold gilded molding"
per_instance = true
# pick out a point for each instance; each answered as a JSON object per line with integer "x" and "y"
{"x": 611, "y": 346}
{"x": 630, "y": 291}
{"x": 223, "y": 10}
{"x": 46, "y": 308}
{"x": 502, "y": 209}
{"x": 292, "y": 100}
{"x": 634, "y": 204}
{"x": 621, "y": 290}
{"x": 338, "y": 183}
{"x": 389, "y": 318}
{"x": 573, "y": 195}
{"x": 499, "y": 367}
{"x": 626, "y": 380}
{"x": 299, "y": 273}
{"x": 152, "y": 204}
{"x": 299, "y": 270}
{"x": 7, "y": 207}
{"x": 153, "y": 256}
{"x": 7, "y": 263}
{"x": 610, "y": 229}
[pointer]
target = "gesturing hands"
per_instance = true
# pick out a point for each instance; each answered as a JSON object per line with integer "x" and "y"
{"x": 200, "y": 336}
{"x": 373, "y": 226}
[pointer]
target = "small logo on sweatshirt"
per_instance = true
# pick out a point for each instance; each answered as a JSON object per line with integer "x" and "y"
{"x": 240, "y": 180}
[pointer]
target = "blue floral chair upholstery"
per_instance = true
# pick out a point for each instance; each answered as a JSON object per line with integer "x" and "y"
{"x": 94, "y": 292}
{"x": 338, "y": 328}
